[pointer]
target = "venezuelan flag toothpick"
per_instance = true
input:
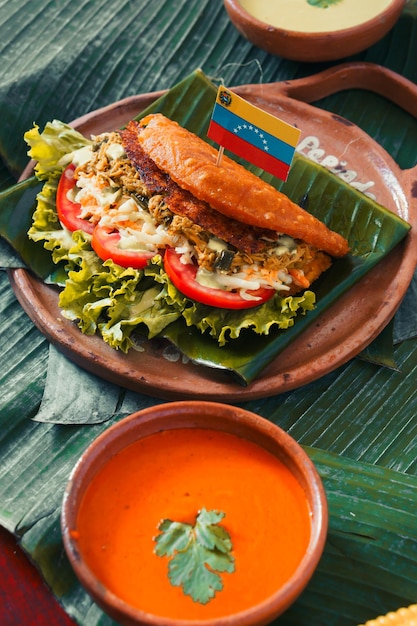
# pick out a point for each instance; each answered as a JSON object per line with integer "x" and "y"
{"x": 253, "y": 134}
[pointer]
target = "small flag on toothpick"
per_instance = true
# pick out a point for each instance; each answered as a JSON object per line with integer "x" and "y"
{"x": 253, "y": 134}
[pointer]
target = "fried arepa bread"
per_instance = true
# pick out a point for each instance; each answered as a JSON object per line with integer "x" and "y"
{"x": 228, "y": 187}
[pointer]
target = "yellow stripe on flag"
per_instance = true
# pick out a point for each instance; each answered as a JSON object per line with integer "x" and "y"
{"x": 256, "y": 116}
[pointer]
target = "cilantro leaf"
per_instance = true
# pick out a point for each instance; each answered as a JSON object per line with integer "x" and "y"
{"x": 173, "y": 538}
{"x": 196, "y": 554}
{"x": 323, "y": 4}
{"x": 188, "y": 570}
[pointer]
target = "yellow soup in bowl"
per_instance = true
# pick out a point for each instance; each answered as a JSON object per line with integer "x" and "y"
{"x": 314, "y": 30}
{"x": 303, "y": 16}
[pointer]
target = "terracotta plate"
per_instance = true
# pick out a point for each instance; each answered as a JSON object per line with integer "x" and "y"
{"x": 344, "y": 329}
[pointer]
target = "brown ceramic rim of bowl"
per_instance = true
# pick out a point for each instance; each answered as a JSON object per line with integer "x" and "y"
{"x": 388, "y": 15}
{"x": 192, "y": 414}
{"x": 313, "y": 46}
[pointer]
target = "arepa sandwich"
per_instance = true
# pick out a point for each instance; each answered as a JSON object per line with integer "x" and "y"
{"x": 154, "y": 194}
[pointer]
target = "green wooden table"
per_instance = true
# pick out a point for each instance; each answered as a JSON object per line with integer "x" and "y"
{"x": 358, "y": 423}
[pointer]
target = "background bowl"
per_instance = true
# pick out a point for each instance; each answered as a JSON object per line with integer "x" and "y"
{"x": 213, "y": 416}
{"x": 314, "y": 46}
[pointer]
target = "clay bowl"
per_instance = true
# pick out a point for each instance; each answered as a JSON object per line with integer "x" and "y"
{"x": 335, "y": 42}
{"x": 189, "y": 417}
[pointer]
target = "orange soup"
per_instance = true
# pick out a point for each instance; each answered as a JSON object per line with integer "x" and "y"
{"x": 174, "y": 474}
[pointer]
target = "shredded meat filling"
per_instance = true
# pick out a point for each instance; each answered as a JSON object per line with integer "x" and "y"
{"x": 182, "y": 214}
{"x": 249, "y": 239}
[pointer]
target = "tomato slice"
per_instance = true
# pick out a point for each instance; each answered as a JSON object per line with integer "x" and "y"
{"x": 105, "y": 243}
{"x": 183, "y": 277}
{"x": 67, "y": 210}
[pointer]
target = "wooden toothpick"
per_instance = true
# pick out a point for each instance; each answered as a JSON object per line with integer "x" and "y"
{"x": 219, "y": 155}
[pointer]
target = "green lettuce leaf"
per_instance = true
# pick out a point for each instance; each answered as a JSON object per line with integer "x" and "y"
{"x": 53, "y": 147}
{"x": 114, "y": 301}
{"x": 226, "y": 324}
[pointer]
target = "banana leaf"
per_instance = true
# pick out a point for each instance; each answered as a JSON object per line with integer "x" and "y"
{"x": 16, "y": 208}
{"x": 360, "y": 411}
{"x": 381, "y": 352}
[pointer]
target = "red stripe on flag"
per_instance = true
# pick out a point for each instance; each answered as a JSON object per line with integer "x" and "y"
{"x": 248, "y": 151}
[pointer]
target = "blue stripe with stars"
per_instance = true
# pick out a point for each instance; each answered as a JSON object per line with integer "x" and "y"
{"x": 254, "y": 135}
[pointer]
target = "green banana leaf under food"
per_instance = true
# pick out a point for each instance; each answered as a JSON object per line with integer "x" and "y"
{"x": 249, "y": 342}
